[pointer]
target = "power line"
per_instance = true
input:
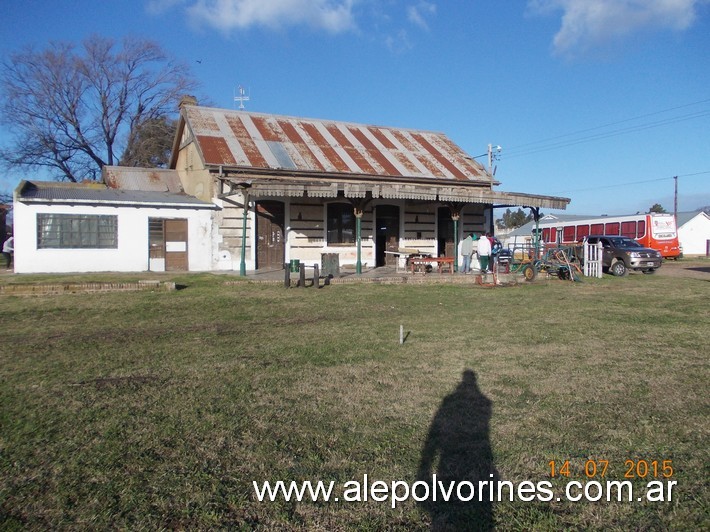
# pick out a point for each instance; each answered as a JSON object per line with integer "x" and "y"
{"x": 608, "y": 134}
{"x": 630, "y": 183}
{"x": 539, "y": 145}
{"x": 612, "y": 123}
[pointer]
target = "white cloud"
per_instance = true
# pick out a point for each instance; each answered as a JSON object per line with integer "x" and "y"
{"x": 334, "y": 16}
{"x": 398, "y": 43}
{"x": 587, "y": 24}
{"x": 416, "y": 14}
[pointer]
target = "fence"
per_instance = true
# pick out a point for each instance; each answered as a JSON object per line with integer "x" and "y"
{"x": 593, "y": 259}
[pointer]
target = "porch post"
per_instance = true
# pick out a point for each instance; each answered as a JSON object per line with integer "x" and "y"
{"x": 245, "y": 212}
{"x": 455, "y": 218}
{"x": 358, "y": 239}
{"x": 536, "y": 216}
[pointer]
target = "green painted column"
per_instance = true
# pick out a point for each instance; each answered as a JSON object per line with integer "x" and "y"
{"x": 537, "y": 237}
{"x": 243, "y": 261}
{"x": 358, "y": 240}
{"x": 536, "y": 216}
{"x": 456, "y": 244}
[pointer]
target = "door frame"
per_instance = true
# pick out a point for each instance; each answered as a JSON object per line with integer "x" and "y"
{"x": 380, "y": 253}
{"x": 283, "y": 227}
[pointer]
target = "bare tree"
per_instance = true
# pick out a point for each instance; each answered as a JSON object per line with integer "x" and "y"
{"x": 72, "y": 110}
{"x": 150, "y": 143}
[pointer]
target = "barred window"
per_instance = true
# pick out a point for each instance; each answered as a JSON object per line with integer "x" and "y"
{"x": 73, "y": 231}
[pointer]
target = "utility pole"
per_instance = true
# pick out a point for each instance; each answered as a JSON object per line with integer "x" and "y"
{"x": 493, "y": 153}
{"x": 675, "y": 200}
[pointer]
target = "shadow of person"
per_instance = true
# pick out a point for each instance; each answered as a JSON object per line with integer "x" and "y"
{"x": 458, "y": 437}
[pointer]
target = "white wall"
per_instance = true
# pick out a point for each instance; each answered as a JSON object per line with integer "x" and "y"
{"x": 693, "y": 235}
{"x": 132, "y": 252}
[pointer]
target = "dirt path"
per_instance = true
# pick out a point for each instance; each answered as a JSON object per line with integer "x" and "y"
{"x": 690, "y": 268}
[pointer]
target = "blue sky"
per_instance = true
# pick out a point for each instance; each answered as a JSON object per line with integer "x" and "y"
{"x": 602, "y": 101}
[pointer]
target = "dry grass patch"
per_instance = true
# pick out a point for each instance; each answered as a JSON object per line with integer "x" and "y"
{"x": 158, "y": 410}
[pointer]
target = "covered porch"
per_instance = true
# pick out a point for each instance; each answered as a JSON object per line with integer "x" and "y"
{"x": 366, "y": 225}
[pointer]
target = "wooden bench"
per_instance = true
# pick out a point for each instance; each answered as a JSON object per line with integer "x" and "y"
{"x": 441, "y": 262}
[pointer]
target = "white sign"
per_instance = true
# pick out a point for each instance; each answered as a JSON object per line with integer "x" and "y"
{"x": 175, "y": 247}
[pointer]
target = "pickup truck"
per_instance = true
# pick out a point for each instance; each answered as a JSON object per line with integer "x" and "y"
{"x": 621, "y": 254}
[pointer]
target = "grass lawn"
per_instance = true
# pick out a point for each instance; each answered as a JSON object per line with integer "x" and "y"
{"x": 158, "y": 410}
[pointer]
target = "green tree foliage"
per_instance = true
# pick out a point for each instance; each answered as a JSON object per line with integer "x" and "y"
{"x": 73, "y": 109}
{"x": 657, "y": 207}
{"x": 514, "y": 219}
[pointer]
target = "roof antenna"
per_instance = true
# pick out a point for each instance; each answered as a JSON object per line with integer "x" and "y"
{"x": 243, "y": 97}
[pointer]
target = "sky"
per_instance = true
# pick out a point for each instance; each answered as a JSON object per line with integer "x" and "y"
{"x": 600, "y": 101}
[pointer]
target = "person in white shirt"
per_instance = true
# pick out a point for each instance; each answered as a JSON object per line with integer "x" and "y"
{"x": 484, "y": 253}
{"x": 7, "y": 250}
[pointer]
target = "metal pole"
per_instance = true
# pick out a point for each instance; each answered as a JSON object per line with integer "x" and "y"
{"x": 536, "y": 242}
{"x": 675, "y": 202}
{"x": 245, "y": 211}
{"x": 358, "y": 264}
{"x": 456, "y": 244}
{"x": 490, "y": 159}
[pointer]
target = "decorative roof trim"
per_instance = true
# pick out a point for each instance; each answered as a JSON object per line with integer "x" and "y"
{"x": 259, "y": 187}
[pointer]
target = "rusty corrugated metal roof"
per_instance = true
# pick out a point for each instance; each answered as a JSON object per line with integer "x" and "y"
{"x": 146, "y": 179}
{"x": 238, "y": 139}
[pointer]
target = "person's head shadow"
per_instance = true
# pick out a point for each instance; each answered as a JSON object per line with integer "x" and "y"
{"x": 459, "y": 438}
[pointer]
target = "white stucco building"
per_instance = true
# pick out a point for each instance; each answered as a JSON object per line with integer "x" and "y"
{"x": 694, "y": 232}
{"x": 252, "y": 191}
{"x": 78, "y": 227}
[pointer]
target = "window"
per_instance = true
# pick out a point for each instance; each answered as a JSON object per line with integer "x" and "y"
{"x": 156, "y": 238}
{"x": 597, "y": 229}
{"x": 568, "y": 234}
{"x": 612, "y": 228}
{"x": 340, "y": 223}
{"x": 582, "y": 231}
{"x": 75, "y": 231}
{"x": 641, "y": 229}
{"x": 628, "y": 229}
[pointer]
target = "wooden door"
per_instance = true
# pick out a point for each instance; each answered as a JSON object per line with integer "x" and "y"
{"x": 445, "y": 237}
{"x": 176, "y": 245}
{"x": 386, "y": 234}
{"x": 270, "y": 235}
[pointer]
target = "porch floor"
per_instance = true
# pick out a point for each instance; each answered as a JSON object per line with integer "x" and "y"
{"x": 386, "y": 275}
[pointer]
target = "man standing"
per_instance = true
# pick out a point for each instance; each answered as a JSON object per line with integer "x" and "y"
{"x": 466, "y": 252}
{"x": 7, "y": 250}
{"x": 484, "y": 253}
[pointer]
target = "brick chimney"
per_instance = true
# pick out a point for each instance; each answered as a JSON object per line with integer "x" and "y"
{"x": 187, "y": 100}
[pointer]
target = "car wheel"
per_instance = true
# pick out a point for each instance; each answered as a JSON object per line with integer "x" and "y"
{"x": 618, "y": 268}
{"x": 529, "y": 272}
{"x": 649, "y": 272}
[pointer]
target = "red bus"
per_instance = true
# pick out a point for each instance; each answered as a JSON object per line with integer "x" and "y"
{"x": 655, "y": 231}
